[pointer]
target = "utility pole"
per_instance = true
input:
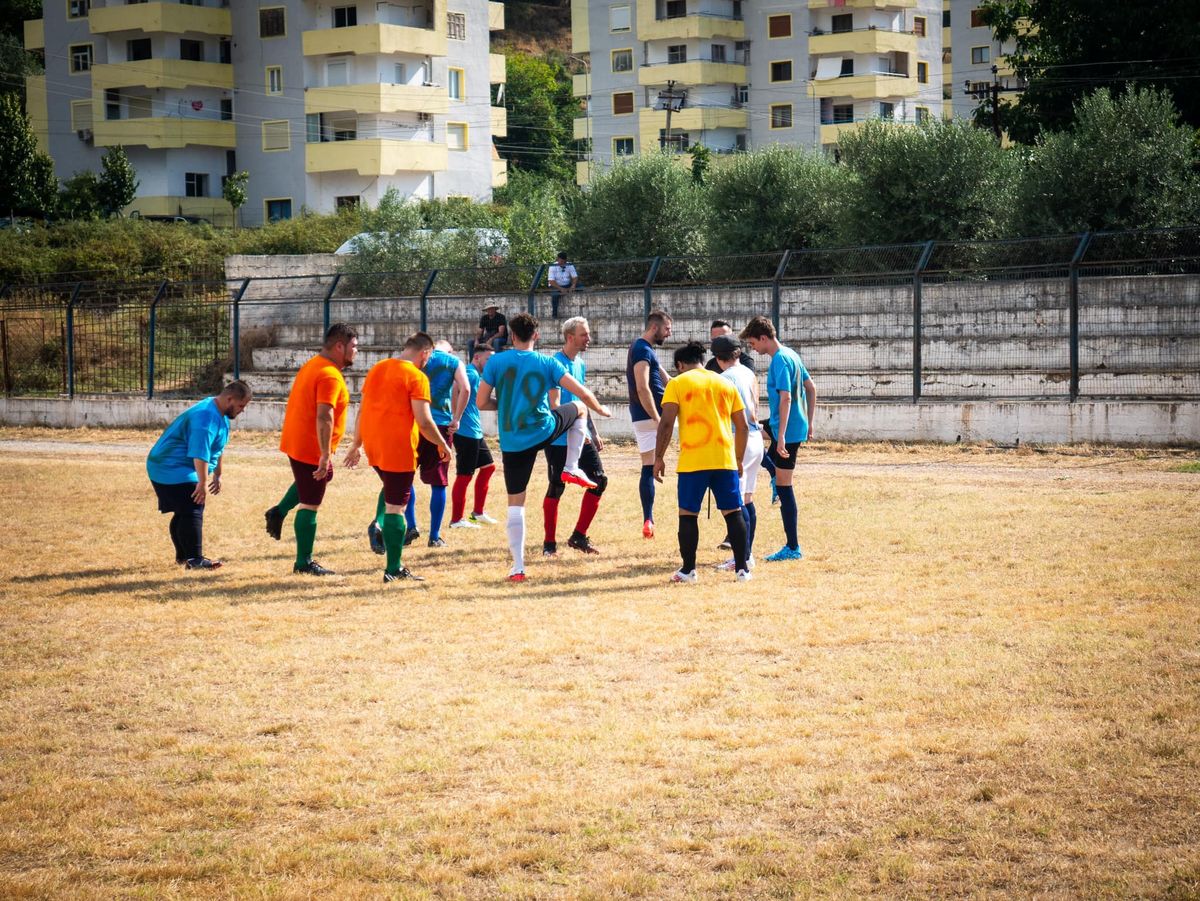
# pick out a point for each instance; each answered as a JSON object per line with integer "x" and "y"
{"x": 668, "y": 97}
{"x": 991, "y": 95}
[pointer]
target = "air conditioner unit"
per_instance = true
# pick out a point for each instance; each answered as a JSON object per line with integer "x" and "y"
{"x": 431, "y": 84}
{"x": 84, "y": 134}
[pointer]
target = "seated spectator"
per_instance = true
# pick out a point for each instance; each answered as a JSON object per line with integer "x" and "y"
{"x": 563, "y": 280}
{"x": 493, "y": 329}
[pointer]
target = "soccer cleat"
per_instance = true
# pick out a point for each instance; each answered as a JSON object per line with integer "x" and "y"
{"x": 517, "y": 576}
{"x": 465, "y": 524}
{"x": 201, "y": 563}
{"x": 274, "y": 523}
{"x": 410, "y": 536}
{"x": 403, "y": 573}
{"x": 550, "y": 549}
{"x": 582, "y": 543}
{"x": 725, "y": 546}
{"x": 785, "y": 553}
{"x": 483, "y": 518}
{"x": 577, "y": 477}
{"x": 730, "y": 565}
{"x": 743, "y": 575}
{"x": 648, "y": 529}
{"x": 375, "y": 536}
{"x": 437, "y": 542}
{"x": 312, "y": 568}
{"x": 681, "y": 576}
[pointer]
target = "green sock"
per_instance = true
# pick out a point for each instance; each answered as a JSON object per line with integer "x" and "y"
{"x": 380, "y": 509}
{"x": 306, "y": 533}
{"x": 291, "y": 497}
{"x": 394, "y": 528}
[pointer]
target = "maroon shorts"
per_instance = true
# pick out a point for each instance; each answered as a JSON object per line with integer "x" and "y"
{"x": 397, "y": 486}
{"x": 308, "y": 489}
{"x": 433, "y": 470}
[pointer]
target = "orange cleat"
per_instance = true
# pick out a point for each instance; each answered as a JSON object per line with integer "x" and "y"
{"x": 648, "y": 529}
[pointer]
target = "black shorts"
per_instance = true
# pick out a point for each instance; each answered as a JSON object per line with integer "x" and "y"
{"x": 309, "y": 490}
{"x": 470, "y": 454}
{"x": 518, "y": 465}
{"x": 780, "y": 462}
{"x": 397, "y": 486}
{"x": 433, "y": 470}
{"x": 589, "y": 462}
{"x": 175, "y": 497}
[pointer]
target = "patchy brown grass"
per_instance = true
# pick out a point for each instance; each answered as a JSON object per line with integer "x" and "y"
{"x": 983, "y": 680}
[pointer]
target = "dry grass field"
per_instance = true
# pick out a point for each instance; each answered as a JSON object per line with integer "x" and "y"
{"x": 984, "y": 679}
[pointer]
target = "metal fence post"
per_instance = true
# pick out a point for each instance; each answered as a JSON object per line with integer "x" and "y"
{"x": 8, "y": 387}
{"x": 325, "y": 303}
{"x": 922, "y": 262}
{"x": 775, "y": 300}
{"x": 647, "y": 299}
{"x": 71, "y": 339}
{"x": 1084, "y": 241}
{"x": 531, "y": 301}
{"x": 237, "y": 329}
{"x": 162, "y": 289}
{"x": 425, "y": 300}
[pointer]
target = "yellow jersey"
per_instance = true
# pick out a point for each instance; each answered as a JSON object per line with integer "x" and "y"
{"x": 706, "y": 402}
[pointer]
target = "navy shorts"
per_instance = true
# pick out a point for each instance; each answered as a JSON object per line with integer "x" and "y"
{"x": 722, "y": 482}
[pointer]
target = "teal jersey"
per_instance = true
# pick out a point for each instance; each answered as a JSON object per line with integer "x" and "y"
{"x": 199, "y": 433}
{"x": 787, "y": 373}
{"x": 576, "y": 369}
{"x": 470, "y": 426}
{"x": 440, "y": 371}
{"x": 521, "y": 380}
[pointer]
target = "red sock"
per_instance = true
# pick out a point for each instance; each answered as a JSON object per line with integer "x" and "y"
{"x": 458, "y": 497}
{"x": 587, "y": 512}
{"x": 550, "y": 514}
{"x": 482, "y": 477}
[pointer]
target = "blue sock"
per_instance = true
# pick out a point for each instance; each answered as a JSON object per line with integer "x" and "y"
{"x": 646, "y": 490}
{"x": 751, "y": 515}
{"x": 410, "y": 512}
{"x": 787, "y": 510}
{"x": 437, "y": 509}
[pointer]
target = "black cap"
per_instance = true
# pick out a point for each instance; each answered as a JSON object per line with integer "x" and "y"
{"x": 724, "y": 345}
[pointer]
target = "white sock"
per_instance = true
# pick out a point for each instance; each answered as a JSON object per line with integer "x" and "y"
{"x": 516, "y": 537}
{"x": 575, "y": 438}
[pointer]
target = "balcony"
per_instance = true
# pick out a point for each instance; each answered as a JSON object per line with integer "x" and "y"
{"x": 35, "y": 34}
{"x": 693, "y": 72}
{"x": 497, "y": 69}
{"x": 499, "y": 122}
{"x": 689, "y": 119}
{"x": 495, "y": 16}
{"x": 377, "y": 98}
{"x": 865, "y": 40}
{"x": 581, "y": 85}
{"x": 369, "y": 39}
{"x": 832, "y": 133}
{"x": 868, "y": 86}
{"x": 162, "y": 73}
{"x": 174, "y": 18}
{"x": 698, "y": 27}
{"x": 499, "y": 173}
{"x": 215, "y": 209}
{"x": 583, "y": 128}
{"x": 163, "y": 133}
{"x": 583, "y": 172}
{"x": 862, "y": 4}
{"x": 375, "y": 156}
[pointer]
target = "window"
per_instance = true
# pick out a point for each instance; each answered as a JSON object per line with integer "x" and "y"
{"x": 81, "y": 115}
{"x": 618, "y": 18}
{"x": 779, "y": 26}
{"x": 112, "y": 104}
{"x": 741, "y": 52}
{"x": 345, "y": 16}
{"x": 677, "y": 141}
{"x": 919, "y": 26}
{"x": 980, "y": 55}
{"x": 456, "y": 26}
{"x": 230, "y": 164}
{"x": 622, "y": 103}
{"x": 622, "y": 146}
{"x": 400, "y": 73}
{"x": 676, "y": 9}
{"x": 922, "y": 114}
{"x": 737, "y": 10}
{"x": 781, "y": 115}
{"x": 718, "y": 53}
{"x": 278, "y": 209}
{"x": 276, "y": 136}
{"x": 946, "y": 18}
{"x": 781, "y": 70}
{"x": 195, "y": 184}
{"x": 977, "y": 19}
{"x": 979, "y": 88}
{"x": 336, "y": 72}
{"x": 743, "y": 93}
{"x": 272, "y": 23}
{"x": 739, "y": 142}
{"x": 922, "y": 73}
{"x": 843, "y": 113}
{"x": 622, "y": 60}
{"x": 139, "y": 107}
{"x": 677, "y": 53}
{"x": 226, "y": 109}
{"x": 347, "y": 202}
{"x": 81, "y": 57}
{"x": 456, "y": 136}
{"x": 274, "y": 79}
{"x": 78, "y": 9}
{"x": 887, "y": 110}
{"x": 191, "y": 50}
{"x": 847, "y": 67}
{"x": 842, "y": 24}
{"x": 225, "y": 51}
{"x": 455, "y": 81}
{"x": 138, "y": 48}
{"x": 344, "y": 129}
{"x": 312, "y": 128}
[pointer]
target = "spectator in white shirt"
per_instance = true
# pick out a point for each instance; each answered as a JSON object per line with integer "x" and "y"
{"x": 563, "y": 280}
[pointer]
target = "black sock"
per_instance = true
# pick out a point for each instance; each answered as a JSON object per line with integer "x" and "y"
{"x": 191, "y": 532}
{"x": 751, "y": 527}
{"x": 736, "y": 524}
{"x": 689, "y": 540}
{"x": 174, "y": 530}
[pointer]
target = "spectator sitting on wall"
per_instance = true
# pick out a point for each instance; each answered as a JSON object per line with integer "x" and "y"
{"x": 493, "y": 328}
{"x": 563, "y": 280}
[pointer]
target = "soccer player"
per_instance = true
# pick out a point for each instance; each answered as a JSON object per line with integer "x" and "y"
{"x": 791, "y": 421}
{"x": 313, "y": 424}
{"x": 709, "y": 455}
{"x": 472, "y": 457}
{"x": 521, "y": 379}
{"x": 646, "y": 379}
{"x": 577, "y": 335}
{"x": 179, "y": 465}
{"x": 718, "y": 328}
{"x": 447, "y": 379}
{"x": 395, "y": 403}
{"x": 728, "y": 356}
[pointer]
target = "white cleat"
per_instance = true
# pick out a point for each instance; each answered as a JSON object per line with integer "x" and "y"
{"x": 482, "y": 518}
{"x": 681, "y": 576}
{"x": 743, "y": 575}
{"x": 465, "y": 524}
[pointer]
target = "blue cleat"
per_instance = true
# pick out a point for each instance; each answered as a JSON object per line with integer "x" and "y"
{"x": 785, "y": 553}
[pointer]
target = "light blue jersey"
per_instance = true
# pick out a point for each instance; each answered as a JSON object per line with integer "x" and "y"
{"x": 469, "y": 426}
{"x": 576, "y": 369}
{"x": 787, "y": 373}
{"x": 440, "y": 371}
{"x": 199, "y": 433}
{"x": 521, "y": 379}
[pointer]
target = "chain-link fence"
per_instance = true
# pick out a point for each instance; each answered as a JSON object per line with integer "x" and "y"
{"x": 1106, "y": 315}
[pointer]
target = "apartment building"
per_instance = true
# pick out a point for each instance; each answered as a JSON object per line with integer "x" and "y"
{"x": 970, "y": 51}
{"x": 325, "y": 104}
{"x": 745, "y": 74}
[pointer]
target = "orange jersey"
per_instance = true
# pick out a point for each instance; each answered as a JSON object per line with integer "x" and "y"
{"x": 317, "y": 382}
{"x": 386, "y": 423}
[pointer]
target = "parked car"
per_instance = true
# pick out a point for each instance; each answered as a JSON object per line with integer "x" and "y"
{"x": 180, "y": 220}
{"x": 491, "y": 239}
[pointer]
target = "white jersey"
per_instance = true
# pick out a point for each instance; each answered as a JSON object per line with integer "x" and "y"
{"x": 743, "y": 380}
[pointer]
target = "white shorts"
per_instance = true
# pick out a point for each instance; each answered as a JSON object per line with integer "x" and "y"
{"x": 646, "y": 433}
{"x": 751, "y": 463}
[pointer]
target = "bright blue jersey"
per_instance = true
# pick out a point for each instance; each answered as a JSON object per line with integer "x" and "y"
{"x": 641, "y": 351}
{"x": 787, "y": 373}
{"x": 576, "y": 369}
{"x": 521, "y": 379}
{"x": 198, "y": 433}
{"x": 440, "y": 371}
{"x": 469, "y": 426}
